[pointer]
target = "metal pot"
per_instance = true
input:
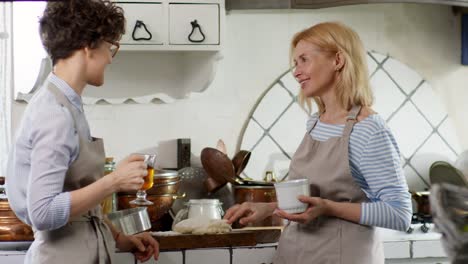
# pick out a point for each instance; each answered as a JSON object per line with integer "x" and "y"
{"x": 166, "y": 188}
{"x": 164, "y": 182}
{"x": 11, "y": 228}
{"x": 161, "y": 204}
{"x": 258, "y": 194}
{"x": 131, "y": 221}
{"x": 165, "y": 176}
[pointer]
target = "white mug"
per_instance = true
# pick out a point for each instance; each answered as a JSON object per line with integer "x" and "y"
{"x": 287, "y": 193}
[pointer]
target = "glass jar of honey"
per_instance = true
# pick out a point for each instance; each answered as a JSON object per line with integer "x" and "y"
{"x": 109, "y": 203}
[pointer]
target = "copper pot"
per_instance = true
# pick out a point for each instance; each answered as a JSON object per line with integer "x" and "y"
{"x": 164, "y": 182}
{"x": 11, "y": 228}
{"x": 165, "y": 176}
{"x": 161, "y": 204}
{"x": 258, "y": 194}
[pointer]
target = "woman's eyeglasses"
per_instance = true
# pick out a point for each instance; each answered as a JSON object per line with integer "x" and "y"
{"x": 114, "y": 48}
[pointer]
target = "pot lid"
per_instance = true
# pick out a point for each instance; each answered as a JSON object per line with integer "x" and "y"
{"x": 165, "y": 173}
{"x": 204, "y": 201}
{"x": 254, "y": 187}
{"x": 259, "y": 183}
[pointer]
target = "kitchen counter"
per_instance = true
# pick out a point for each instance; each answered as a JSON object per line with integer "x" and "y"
{"x": 400, "y": 247}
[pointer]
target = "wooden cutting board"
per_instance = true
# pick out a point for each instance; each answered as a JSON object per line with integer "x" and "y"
{"x": 237, "y": 238}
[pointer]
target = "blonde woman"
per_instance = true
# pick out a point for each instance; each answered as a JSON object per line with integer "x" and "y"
{"x": 348, "y": 154}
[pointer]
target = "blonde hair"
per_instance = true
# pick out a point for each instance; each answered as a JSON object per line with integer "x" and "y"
{"x": 353, "y": 87}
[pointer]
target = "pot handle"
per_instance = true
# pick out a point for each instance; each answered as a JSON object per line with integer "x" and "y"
{"x": 178, "y": 196}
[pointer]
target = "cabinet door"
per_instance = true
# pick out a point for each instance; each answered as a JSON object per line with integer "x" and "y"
{"x": 182, "y": 19}
{"x": 14, "y": 258}
{"x": 145, "y": 24}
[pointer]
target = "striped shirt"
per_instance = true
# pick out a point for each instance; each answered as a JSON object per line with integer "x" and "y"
{"x": 375, "y": 164}
{"x": 46, "y": 145}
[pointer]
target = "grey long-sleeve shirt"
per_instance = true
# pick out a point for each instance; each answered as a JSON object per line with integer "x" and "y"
{"x": 45, "y": 147}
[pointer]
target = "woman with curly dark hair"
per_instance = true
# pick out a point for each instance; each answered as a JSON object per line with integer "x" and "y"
{"x": 55, "y": 170}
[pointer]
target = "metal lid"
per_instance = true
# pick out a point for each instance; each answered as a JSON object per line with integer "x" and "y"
{"x": 204, "y": 201}
{"x": 254, "y": 187}
{"x": 165, "y": 173}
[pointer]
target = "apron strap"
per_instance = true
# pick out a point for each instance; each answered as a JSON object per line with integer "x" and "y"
{"x": 104, "y": 253}
{"x": 61, "y": 99}
{"x": 351, "y": 120}
{"x": 313, "y": 125}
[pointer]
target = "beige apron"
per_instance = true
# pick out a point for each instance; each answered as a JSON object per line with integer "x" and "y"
{"x": 85, "y": 239}
{"x": 329, "y": 240}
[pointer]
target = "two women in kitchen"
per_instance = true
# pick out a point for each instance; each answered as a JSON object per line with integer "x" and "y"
{"x": 54, "y": 179}
{"x": 348, "y": 154}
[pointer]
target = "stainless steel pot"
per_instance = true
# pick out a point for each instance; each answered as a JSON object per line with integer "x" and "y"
{"x": 131, "y": 221}
{"x": 161, "y": 205}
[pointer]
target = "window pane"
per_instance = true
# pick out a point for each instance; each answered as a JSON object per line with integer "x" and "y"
{"x": 27, "y": 47}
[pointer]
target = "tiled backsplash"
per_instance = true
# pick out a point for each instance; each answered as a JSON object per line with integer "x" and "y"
{"x": 412, "y": 110}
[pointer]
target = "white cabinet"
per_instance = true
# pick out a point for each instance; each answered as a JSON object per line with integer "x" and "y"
{"x": 194, "y": 24}
{"x": 145, "y": 24}
{"x": 173, "y": 25}
{"x": 12, "y": 257}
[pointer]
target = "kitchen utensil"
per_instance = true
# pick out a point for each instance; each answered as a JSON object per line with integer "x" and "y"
{"x": 221, "y": 146}
{"x": 165, "y": 182}
{"x": 161, "y": 204}
{"x": 11, "y": 228}
{"x": 450, "y": 216}
{"x": 131, "y": 221}
{"x": 192, "y": 184}
{"x": 165, "y": 176}
{"x": 193, "y": 180}
{"x": 212, "y": 185}
{"x": 270, "y": 177}
{"x": 257, "y": 194}
{"x": 287, "y": 192}
{"x": 240, "y": 161}
{"x": 165, "y": 188}
{"x": 218, "y": 166}
{"x": 150, "y": 160}
{"x": 257, "y": 183}
{"x": 444, "y": 172}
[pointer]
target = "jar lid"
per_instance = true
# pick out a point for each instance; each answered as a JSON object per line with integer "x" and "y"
{"x": 165, "y": 173}
{"x": 204, "y": 201}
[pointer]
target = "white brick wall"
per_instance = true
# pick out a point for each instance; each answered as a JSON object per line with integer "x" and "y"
{"x": 396, "y": 252}
{"x": 253, "y": 255}
{"x": 425, "y": 249}
{"x": 202, "y": 256}
{"x": 171, "y": 257}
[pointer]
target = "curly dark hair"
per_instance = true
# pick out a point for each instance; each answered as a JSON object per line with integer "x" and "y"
{"x": 71, "y": 25}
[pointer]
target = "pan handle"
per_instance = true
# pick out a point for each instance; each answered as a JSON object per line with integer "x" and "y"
{"x": 178, "y": 196}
